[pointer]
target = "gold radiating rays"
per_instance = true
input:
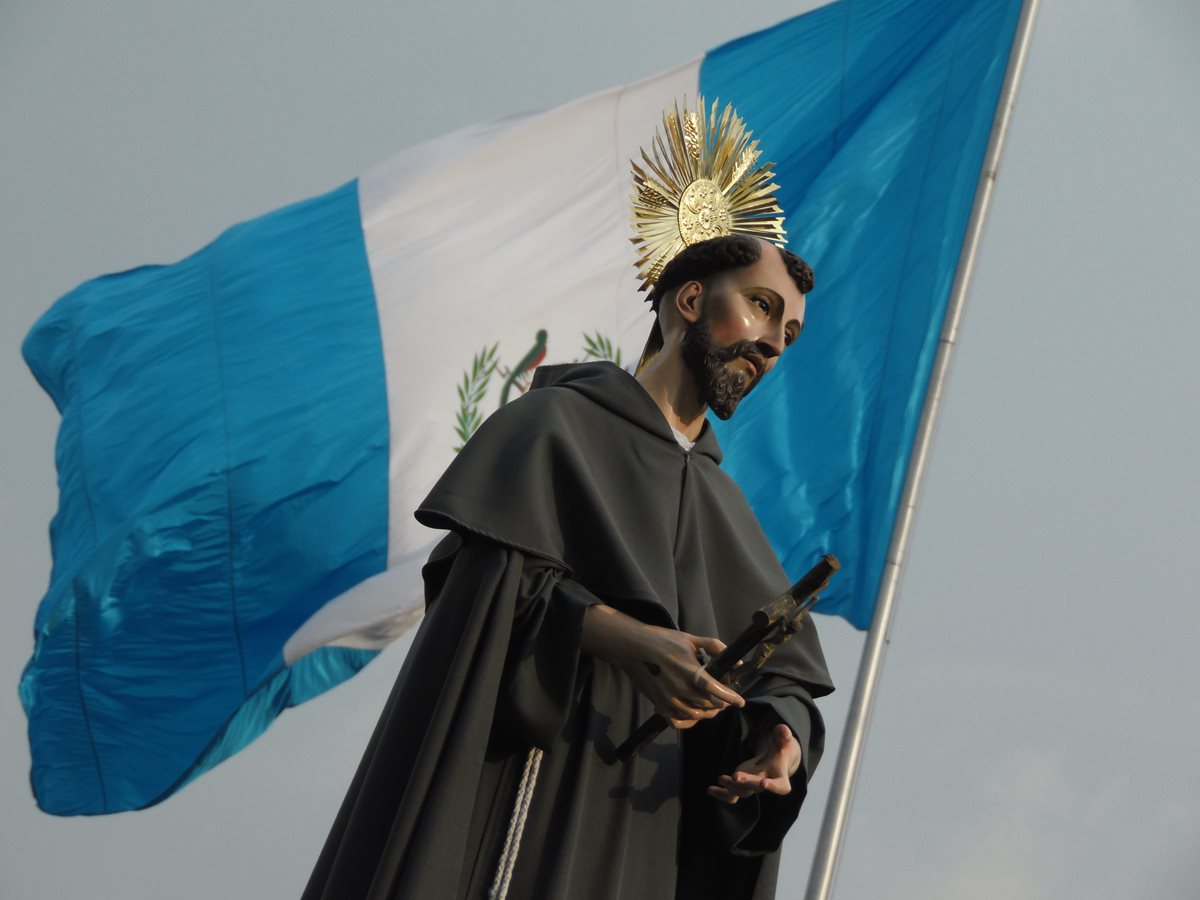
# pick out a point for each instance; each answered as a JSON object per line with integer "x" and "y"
{"x": 700, "y": 182}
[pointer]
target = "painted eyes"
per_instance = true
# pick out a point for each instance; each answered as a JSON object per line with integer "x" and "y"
{"x": 764, "y": 306}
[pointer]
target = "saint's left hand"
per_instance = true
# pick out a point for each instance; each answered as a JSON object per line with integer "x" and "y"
{"x": 771, "y": 770}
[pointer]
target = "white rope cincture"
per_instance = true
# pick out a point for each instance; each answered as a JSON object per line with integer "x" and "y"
{"x": 516, "y": 825}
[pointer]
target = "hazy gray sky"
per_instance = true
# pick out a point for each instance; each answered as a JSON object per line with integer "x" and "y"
{"x": 1037, "y": 725}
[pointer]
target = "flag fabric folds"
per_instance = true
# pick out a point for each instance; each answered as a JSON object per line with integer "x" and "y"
{"x": 215, "y": 488}
{"x": 245, "y": 432}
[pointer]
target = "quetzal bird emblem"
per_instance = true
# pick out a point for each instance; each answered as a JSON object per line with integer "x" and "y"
{"x": 474, "y": 386}
{"x": 521, "y": 372}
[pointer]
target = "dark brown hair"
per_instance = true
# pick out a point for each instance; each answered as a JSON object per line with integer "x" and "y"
{"x": 702, "y": 261}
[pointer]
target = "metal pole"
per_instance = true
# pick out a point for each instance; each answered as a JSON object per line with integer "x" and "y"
{"x": 833, "y": 828}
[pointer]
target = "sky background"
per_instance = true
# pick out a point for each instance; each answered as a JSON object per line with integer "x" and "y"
{"x": 1036, "y": 727}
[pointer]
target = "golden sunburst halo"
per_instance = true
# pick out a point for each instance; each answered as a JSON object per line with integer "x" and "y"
{"x": 700, "y": 182}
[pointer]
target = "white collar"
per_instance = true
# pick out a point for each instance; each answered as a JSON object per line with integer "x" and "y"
{"x": 681, "y": 437}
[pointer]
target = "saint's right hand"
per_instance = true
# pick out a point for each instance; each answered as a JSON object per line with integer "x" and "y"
{"x": 670, "y": 674}
{"x": 663, "y": 664}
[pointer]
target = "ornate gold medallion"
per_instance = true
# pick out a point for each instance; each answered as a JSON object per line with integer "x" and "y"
{"x": 703, "y": 212}
{"x": 700, "y": 183}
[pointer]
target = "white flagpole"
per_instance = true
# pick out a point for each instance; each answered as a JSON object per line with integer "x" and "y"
{"x": 833, "y": 828}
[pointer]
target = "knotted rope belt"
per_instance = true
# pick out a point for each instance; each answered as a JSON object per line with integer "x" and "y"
{"x": 516, "y": 826}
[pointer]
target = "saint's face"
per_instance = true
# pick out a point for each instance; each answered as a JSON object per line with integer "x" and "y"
{"x": 750, "y": 316}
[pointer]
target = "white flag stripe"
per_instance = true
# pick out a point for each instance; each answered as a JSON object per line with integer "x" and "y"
{"x": 534, "y": 210}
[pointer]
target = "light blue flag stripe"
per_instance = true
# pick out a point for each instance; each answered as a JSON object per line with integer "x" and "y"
{"x": 217, "y": 415}
{"x": 877, "y": 115}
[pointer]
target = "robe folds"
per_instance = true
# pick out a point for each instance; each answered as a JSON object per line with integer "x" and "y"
{"x": 574, "y": 494}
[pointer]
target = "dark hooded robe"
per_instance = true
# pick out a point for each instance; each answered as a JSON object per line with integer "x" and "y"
{"x": 574, "y": 494}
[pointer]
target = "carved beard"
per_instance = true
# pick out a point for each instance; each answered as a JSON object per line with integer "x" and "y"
{"x": 721, "y": 387}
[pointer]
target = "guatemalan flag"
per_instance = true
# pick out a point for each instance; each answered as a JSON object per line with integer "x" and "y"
{"x": 246, "y": 432}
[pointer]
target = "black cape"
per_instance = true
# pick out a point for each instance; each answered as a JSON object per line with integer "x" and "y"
{"x": 576, "y": 493}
